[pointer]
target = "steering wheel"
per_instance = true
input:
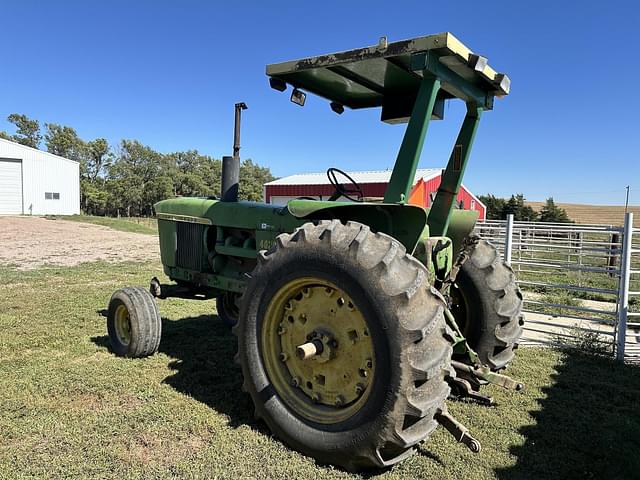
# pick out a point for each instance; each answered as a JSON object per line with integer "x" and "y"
{"x": 342, "y": 190}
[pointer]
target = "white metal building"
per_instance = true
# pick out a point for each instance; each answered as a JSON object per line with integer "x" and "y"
{"x": 33, "y": 182}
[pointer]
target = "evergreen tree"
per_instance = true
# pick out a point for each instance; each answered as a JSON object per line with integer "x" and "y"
{"x": 550, "y": 212}
{"x": 521, "y": 212}
{"x": 494, "y": 205}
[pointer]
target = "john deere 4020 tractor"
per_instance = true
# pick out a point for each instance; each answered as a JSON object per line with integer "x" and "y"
{"x": 354, "y": 320}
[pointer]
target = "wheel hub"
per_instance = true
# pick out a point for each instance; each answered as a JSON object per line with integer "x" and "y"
{"x": 123, "y": 325}
{"x": 324, "y": 350}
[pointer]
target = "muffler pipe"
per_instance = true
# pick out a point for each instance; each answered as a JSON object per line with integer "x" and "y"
{"x": 230, "y": 179}
{"x": 231, "y": 165}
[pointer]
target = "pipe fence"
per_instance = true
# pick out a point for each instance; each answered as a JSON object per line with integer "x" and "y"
{"x": 581, "y": 283}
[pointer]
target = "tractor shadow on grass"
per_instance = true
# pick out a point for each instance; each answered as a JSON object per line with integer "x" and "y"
{"x": 588, "y": 425}
{"x": 202, "y": 349}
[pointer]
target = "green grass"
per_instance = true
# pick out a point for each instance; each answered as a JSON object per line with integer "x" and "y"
{"x": 71, "y": 409}
{"x": 124, "y": 224}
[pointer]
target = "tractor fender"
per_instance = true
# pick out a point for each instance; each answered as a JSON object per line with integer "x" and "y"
{"x": 461, "y": 225}
{"x": 406, "y": 223}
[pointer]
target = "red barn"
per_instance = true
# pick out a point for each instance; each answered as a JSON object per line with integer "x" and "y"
{"x": 373, "y": 184}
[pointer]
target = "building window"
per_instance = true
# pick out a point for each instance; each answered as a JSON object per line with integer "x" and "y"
{"x": 473, "y": 204}
{"x": 52, "y": 196}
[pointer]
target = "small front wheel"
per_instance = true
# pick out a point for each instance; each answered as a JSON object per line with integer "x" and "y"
{"x": 133, "y": 323}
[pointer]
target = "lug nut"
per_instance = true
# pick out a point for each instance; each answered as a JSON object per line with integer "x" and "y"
{"x": 295, "y": 381}
{"x": 315, "y": 397}
{"x": 282, "y": 329}
{"x": 284, "y": 357}
{"x": 359, "y": 389}
{"x": 339, "y": 401}
{"x": 363, "y": 373}
{"x": 369, "y": 363}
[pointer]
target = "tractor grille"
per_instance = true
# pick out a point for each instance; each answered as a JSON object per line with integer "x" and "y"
{"x": 190, "y": 245}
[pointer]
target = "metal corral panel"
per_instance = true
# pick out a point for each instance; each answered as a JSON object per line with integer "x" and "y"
{"x": 10, "y": 187}
{"x": 50, "y": 183}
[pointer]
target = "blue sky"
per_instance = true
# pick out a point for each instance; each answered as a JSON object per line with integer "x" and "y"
{"x": 168, "y": 74}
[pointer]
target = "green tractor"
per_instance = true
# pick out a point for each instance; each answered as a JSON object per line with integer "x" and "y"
{"x": 355, "y": 320}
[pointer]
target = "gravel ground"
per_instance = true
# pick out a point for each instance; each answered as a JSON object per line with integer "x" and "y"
{"x": 31, "y": 242}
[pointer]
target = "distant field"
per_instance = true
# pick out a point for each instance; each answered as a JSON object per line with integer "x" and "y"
{"x": 123, "y": 224}
{"x": 599, "y": 214}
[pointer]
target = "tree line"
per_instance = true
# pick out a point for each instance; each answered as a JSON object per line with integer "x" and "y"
{"x": 128, "y": 178}
{"x": 499, "y": 208}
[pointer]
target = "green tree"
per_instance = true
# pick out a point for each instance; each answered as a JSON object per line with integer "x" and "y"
{"x": 142, "y": 177}
{"x": 197, "y": 175}
{"x": 27, "y": 130}
{"x": 64, "y": 141}
{"x": 520, "y": 211}
{"x": 252, "y": 180}
{"x": 494, "y": 205}
{"x": 131, "y": 178}
{"x": 98, "y": 158}
{"x": 550, "y": 212}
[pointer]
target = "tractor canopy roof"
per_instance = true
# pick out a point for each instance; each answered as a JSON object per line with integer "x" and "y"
{"x": 388, "y": 75}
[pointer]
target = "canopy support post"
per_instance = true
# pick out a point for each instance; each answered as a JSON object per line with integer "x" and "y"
{"x": 404, "y": 171}
{"x": 440, "y": 212}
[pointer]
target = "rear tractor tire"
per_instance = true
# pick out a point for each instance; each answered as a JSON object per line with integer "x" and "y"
{"x": 133, "y": 323}
{"x": 487, "y": 305}
{"x": 343, "y": 345}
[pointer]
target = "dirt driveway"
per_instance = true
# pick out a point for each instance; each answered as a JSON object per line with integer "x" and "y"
{"x": 30, "y": 242}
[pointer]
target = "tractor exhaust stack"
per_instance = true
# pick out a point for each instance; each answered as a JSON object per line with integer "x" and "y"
{"x": 231, "y": 165}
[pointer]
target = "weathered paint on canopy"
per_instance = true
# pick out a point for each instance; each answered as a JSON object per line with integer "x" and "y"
{"x": 389, "y": 73}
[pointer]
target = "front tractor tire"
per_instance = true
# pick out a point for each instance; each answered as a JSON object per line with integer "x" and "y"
{"x": 343, "y": 345}
{"x": 487, "y": 305}
{"x": 133, "y": 323}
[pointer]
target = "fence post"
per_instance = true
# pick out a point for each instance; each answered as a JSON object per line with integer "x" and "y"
{"x": 508, "y": 240}
{"x": 623, "y": 286}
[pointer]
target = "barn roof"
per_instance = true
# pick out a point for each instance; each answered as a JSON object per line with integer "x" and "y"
{"x": 9, "y": 148}
{"x": 364, "y": 177}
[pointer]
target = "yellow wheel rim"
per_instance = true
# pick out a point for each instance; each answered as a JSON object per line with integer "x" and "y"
{"x": 333, "y": 384}
{"x": 123, "y": 325}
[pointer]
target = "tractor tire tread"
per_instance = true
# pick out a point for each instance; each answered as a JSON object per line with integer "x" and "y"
{"x": 501, "y": 299}
{"x": 416, "y": 327}
{"x": 146, "y": 324}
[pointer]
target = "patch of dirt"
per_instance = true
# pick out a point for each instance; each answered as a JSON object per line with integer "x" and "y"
{"x": 31, "y": 242}
{"x": 149, "y": 449}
